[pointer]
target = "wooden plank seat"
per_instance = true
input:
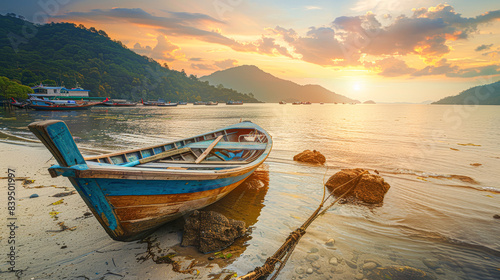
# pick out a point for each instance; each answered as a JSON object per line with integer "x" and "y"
{"x": 187, "y": 165}
{"x": 228, "y": 145}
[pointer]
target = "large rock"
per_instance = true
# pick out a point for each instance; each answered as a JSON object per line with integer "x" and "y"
{"x": 370, "y": 189}
{"x": 211, "y": 231}
{"x": 310, "y": 157}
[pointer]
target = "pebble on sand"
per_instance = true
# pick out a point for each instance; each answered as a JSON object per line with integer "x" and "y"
{"x": 369, "y": 266}
{"x": 316, "y": 265}
{"x": 34, "y": 195}
{"x": 330, "y": 242}
{"x": 334, "y": 261}
{"x": 351, "y": 264}
{"x": 312, "y": 257}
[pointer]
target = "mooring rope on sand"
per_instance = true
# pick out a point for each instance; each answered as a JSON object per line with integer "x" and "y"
{"x": 285, "y": 251}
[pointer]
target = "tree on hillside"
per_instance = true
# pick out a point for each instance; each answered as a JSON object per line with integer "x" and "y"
{"x": 13, "y": 89}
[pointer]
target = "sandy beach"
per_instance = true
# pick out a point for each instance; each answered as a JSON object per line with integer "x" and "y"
{"x": 56, "y": 237}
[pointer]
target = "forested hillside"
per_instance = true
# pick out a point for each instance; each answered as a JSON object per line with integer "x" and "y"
{"x": 68, "y": 54}
{"x": 480, "y": 95}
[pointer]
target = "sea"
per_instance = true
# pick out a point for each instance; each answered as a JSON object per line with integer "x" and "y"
{"x": 440, "y": 215}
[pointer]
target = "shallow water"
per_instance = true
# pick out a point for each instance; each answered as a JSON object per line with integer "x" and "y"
{"x": 427, "y": 214}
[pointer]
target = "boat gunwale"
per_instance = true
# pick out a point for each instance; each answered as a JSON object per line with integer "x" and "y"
{"x": 234, "y": 126}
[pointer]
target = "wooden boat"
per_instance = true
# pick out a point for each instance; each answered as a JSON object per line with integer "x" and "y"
{"x": 58, "y": 105}
{"x": 18, "y": 104}
{"x": 297, "y": 103}
{"x": 152, "y": 103}
{"x": 119, "y": 103}
{"x": 182, "y": 103}
{"x": 234, "y": 103}
{"x": 133, "y": 192}
{"x": 167, "y": 104}
{"x": 199, "y": 103}
{"x": 282, "y": 102}
{"x": 211, "y": 103}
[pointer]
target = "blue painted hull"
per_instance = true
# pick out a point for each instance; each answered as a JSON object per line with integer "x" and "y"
{"x": 172, "y": 199}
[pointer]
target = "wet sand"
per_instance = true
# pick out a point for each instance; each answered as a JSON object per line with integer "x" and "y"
{"x": 57, "y": 237}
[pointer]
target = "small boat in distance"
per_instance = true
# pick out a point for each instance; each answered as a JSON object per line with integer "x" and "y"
{"x": 119, "y": 103}
{"x": 60, "y": 105}
{"x": 18, "y": 104}
{"x": 234, "y": 103}
{"x": 182, "y": 103}
{"x": 282, "y": 102}
{"x": 297, "y": 103}
{"x": 199, "y": 103}
{"x": 167, "y": 104}
{"x": 306, "y": 103}
{"x": 152, "y": 103}
{"x": 211, "y": 103}
{"x": 133, "y": 192}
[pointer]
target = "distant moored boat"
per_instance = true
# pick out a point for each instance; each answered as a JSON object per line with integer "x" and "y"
{"x": 119, "y": 103}
{"x": 234, "y": 103}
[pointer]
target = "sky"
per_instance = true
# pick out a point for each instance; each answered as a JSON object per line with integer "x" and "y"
{"x": 387, "y": 51}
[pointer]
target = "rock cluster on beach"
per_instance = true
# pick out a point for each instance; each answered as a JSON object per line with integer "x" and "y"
{"x": 370, "y": 189}
{"x": 211, "y": 231}
{"x": 310, "y": 157}
{"x": 329, "y": 262}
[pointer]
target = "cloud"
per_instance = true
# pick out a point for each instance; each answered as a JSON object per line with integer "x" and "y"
{"x": 347, "y": 39}
{"x": 193, "y": 17}
{"x": 313, "y": 8}
{"x": 267, "y": 45}
{"x": 164, "y": 50}
{"x": 181, "y": 24}
{"x": 483, "y": 47}
{"x": 216, "y": 65}
{"x": 392, "y": 67}
{"x": 196, "y": 59}
{"x": 488, "y": 70}
{"x": 177, "y": 24}
{"x": 442, "y": 67}
{"x": 493, "y": 54}
{"x": 319, "y": 46}
{"x": 225, "y": 64}
{"x": 201, "y": 66}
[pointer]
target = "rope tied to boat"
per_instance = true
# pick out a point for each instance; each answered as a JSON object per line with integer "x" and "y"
{"x": 285, "y": 251}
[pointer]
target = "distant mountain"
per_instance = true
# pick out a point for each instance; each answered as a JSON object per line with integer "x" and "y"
{"x": 369, "y": 102}
{"x": 66, "y": 54}
{"x": 268, "y": 88}
{"x": 480, "y": 95}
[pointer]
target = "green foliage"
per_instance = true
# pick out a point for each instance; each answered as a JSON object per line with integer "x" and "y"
{"x": 68, "y": 54}
{"x": 13, "y": 89}
{"x": 488, "y": 94}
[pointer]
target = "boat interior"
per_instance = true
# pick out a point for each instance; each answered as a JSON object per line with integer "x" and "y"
{"x": 223, "y": 149}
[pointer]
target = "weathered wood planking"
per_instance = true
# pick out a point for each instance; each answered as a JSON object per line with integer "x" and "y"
{"x": 133, "y": 192}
